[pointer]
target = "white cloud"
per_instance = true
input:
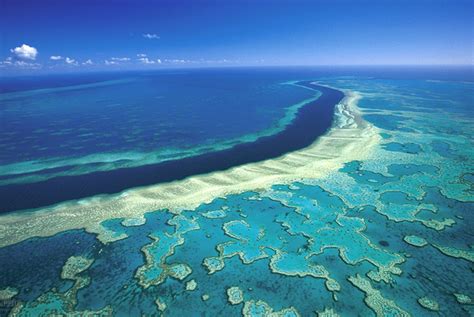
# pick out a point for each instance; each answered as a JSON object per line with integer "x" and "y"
{"x": 120, "y": 59}
{"x": 146, "y": 60}
{"x": 7, "y": 61}
{"x": 107, "y": 62}
{"x": 178, "y": 61}
{"x": 55, "y": 57}
{"x": 71, "y": 61}
{"x": 24, "y": 64}
{"x": 88, "y": 62}
{"x": 25, "y": 52}
{"x": 151, "y": 36}
{"x": 141, "y": 55}
{"x": 201, "y": 61}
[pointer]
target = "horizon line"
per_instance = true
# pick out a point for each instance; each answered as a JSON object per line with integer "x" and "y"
{"x": 196, "y": 67}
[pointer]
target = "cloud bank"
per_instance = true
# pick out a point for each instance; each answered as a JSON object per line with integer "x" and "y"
{"x": 146, "y": 60}
{"x": 120, "y": 59}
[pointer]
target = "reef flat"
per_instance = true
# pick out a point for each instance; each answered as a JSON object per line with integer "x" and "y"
{"x": 373, "y": 219}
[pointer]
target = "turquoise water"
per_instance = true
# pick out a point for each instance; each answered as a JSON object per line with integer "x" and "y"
{"x": 390, "y": 235}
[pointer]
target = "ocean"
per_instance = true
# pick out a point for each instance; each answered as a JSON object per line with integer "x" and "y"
{"x": 363, "y": 207}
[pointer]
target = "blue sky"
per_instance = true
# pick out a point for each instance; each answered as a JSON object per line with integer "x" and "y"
{"x": 75, "y": 35}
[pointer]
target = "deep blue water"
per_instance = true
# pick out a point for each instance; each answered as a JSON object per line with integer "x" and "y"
{"x": 133, "y": 114}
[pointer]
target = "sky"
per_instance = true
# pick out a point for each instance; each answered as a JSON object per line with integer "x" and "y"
{"x": 75, "y": 35}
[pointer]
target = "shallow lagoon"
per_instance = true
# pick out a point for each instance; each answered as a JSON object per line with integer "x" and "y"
{"x": 346, "y": 243}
